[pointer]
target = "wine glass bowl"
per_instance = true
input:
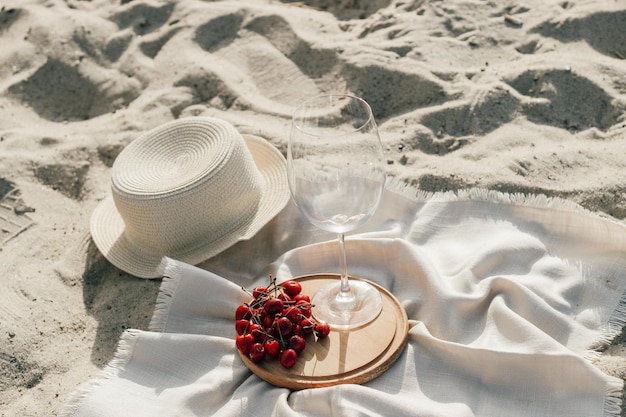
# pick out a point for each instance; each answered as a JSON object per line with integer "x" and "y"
{"x": 336, "y": 173}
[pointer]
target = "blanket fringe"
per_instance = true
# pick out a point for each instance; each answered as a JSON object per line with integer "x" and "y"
{"x": 483, "y": 194}
{"x": 613, "y": 398}
{"x": 171, "y": 271}
{"x": 610, "y": 331}
{"x": 123, "y": 354}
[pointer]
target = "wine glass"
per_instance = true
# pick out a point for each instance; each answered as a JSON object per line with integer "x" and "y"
{"x": 336, "y": 173}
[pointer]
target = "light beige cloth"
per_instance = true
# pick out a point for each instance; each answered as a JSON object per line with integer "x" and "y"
{"x": 507, "y": 298}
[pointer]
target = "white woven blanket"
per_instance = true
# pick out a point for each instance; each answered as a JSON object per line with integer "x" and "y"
{"x": 507, "y": 296}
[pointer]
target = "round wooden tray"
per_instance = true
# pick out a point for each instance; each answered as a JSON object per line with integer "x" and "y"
{"x": 344, "y": 357}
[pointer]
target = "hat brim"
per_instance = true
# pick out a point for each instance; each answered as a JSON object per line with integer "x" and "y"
{"x": 107, "y": 226}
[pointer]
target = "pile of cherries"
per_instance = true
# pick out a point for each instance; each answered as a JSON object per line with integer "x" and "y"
{"x": 276, "y": 323}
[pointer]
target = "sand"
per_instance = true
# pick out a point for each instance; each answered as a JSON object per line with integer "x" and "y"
{"x": 508, "y": 95}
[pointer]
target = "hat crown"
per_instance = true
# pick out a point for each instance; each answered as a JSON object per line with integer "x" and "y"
{"x": 184, "y": 188}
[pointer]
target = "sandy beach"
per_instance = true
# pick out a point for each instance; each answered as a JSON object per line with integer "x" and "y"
{"x": 518, "y": 97}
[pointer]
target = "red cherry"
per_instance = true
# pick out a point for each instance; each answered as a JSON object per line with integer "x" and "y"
{"x": 259, "y": 291}
{"x": 293, "y": 314}
{"x": 273, "y": 306}
{"x": 272, "y": 348}
{"x": 273, "y": 332}
{"x": 283, "y": 326}
{"x": 297, "y": 343}
{"x": 296, "y": 329}
{"x": 292, "y": 288}
{"x": 307, "y": 326}
{"x": 322, "y": 330}
{"x": 268, "y": 321}
{"x": 243, "y": 312}
{"x": 257, "y": 352}
{"x": 244, "y": 342}
{"x": 305, "y": 308}
{"x": 288, "y": 358}
{"x": 302, "y": 297}
{"x": 284, "y": 297}
{"x": 241, "y": 326}
{"x": 256, "y": 331}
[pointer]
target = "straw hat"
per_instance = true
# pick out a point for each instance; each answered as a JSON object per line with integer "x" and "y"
{"x": 188, "y": 189}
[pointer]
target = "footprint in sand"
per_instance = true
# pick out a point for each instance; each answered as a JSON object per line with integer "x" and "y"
{"x": 604, "y": 31}
{"x": 489, "y": 109}
{"x": 219, "y": 32}
{"x": 257, "y": 62}
{"x": 68, "y": 179}
{"x": 391, "y": 91}
{"x": 552, "y": 93}
{"x": 315, "y": 62}
{"x": 60, "y": 92}
{"x": 148, "y": 22}
{"x": 143, "y": 17}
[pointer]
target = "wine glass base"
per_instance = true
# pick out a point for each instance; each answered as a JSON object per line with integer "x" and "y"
{"x": 347, "y": 311}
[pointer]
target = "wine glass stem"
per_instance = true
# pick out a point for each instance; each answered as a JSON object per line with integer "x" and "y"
{"x": 345, "y": 283}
